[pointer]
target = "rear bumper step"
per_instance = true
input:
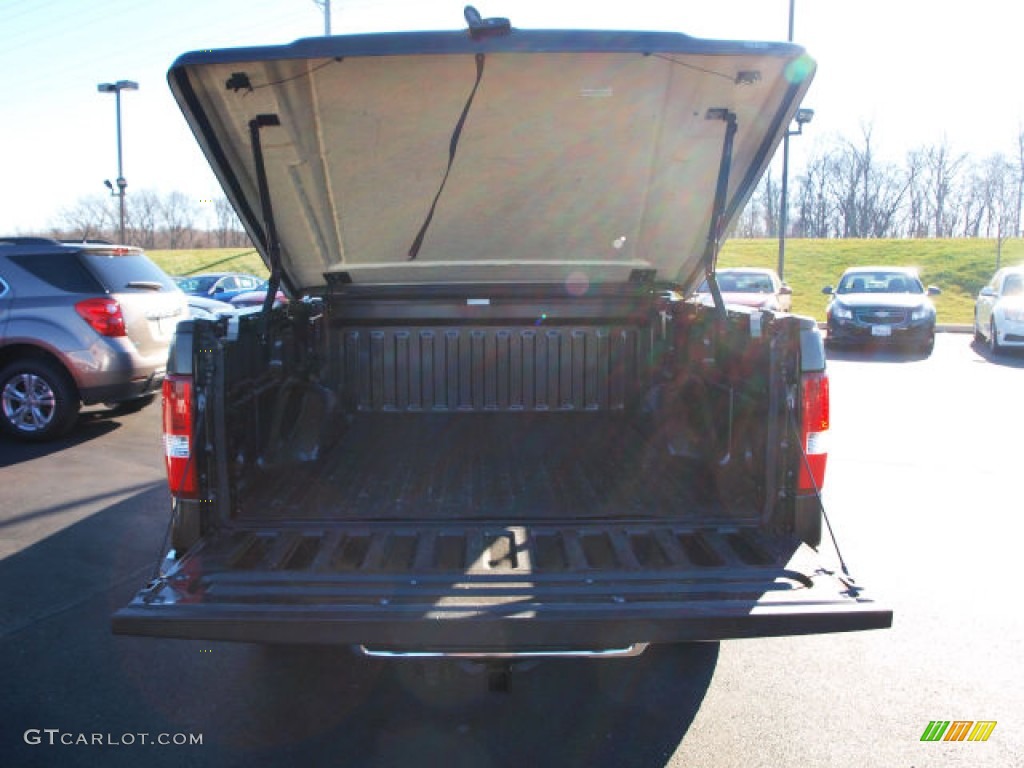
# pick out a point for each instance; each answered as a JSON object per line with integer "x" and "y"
{"x": 497, "y": 588}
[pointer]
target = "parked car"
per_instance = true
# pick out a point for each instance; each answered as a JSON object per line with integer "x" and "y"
{"x": 256, "y": 297}
{"x": 999, "y": 310}
{"x": 207, "y": 309}
{"x": 218, "y": 285}
{"x": 751, "y": 287}
{"x": 881, "y": 304}
{"x": 80, "y": 323}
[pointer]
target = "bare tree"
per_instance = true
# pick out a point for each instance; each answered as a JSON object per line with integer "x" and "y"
{"x": 143, "y": 214}
{"x": 868, "y": 194}
{"x": 1020, "y": 182}
{"x": 229, "y": 229}
{"x": 916, "y": 215}
{"x": 746, "y": 224}
{"x": 942, "y": 168}
{"x": 89, "y": 218}
{"x": 177, "y": 220}
{"x": 847, "y": 168}
{"x": 1000, "y": 182}
{"x": 815, "y": 206}
{"x": 888, "y": 202}
{"x": 973, "y": 200}
{"x": 769, "y": 198}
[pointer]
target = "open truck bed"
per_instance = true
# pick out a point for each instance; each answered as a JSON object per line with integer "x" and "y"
{"x": 348, "y": 515}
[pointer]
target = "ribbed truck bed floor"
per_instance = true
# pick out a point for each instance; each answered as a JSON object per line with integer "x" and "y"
{"x": 511, "y": 467}
{"x": 491, "y": 587}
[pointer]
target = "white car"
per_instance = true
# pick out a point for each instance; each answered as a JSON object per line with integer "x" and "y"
{"x": 750, "y": 287}
{"x": 999, "y": 310}
{"x": 208, "y": 309}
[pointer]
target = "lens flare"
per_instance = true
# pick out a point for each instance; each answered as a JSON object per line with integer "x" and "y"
{"x": 577, "y": 283}
{"x": 799, "y": 69}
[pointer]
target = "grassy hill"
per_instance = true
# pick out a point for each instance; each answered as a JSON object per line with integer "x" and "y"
{"x": 195, "y": 261}
{"x": 959, "y": 267}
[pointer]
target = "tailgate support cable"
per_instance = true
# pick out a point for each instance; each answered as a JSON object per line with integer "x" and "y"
{"x": 817, "y": 490}
{"x": 453, "y": 146}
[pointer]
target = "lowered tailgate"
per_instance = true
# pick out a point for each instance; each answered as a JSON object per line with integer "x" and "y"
{"x": 497, "y": 588}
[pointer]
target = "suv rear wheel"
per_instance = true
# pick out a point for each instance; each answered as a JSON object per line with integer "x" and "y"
{"x": 38, "y": 400}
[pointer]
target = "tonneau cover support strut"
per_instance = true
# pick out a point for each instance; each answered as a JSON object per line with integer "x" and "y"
{"x": 715, "y": 232}
{"x": 272, "y": 246}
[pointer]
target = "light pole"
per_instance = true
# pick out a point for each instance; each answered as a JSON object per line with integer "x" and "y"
{"x": 326, "y": 5}
{"x": 802, "y": 117}
{"x": 116, "y": 88}
{"x": 808, "y": 114}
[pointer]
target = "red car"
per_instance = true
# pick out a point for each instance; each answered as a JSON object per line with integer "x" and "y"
{"x": 750, "y": 287}
{"x": 257, "y": 296}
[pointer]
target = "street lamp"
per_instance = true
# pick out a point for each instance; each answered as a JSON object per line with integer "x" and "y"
{"x": 802, "y": 118}
{"x": 116, "y": 88}
{"x": 326, "y": 5}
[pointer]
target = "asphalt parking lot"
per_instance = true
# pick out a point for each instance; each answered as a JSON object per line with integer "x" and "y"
{"x": 924, "y": 494}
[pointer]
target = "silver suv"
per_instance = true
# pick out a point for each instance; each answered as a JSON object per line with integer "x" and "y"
{"x": 80, "y": 323}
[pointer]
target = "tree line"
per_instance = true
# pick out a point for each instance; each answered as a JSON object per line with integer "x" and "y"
{"x": 844, "y": 191}
{"x": 847, "y": 191}
{"x": 153, "y": 221}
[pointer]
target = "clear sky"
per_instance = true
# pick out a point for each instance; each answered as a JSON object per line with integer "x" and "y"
{"x": 920, "y": 72}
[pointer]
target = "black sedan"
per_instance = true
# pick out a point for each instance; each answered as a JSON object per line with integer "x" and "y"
{"x": 881, "y": 305}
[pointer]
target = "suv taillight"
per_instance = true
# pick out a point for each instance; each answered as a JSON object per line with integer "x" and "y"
{"x": 104, "y": 315}
{"x": 177, "y": 415}
{"x": 814, "y": 431}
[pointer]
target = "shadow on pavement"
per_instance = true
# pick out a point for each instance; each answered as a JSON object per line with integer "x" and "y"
{"x": 91, "y": 425}
{"x": 875, "y": 354}
{"x": 256, "y": 706}
{"x": 1008, "y": 358}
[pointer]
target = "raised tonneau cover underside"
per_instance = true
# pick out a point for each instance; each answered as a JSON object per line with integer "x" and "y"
{"x": 479, "y": 586}
{"x": 534, "y": 156}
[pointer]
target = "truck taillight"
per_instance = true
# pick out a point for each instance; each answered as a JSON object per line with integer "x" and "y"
{"x": 104, "y": 315}
{"x": 178, "y": 449}
{"x": 814, "y": 431}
